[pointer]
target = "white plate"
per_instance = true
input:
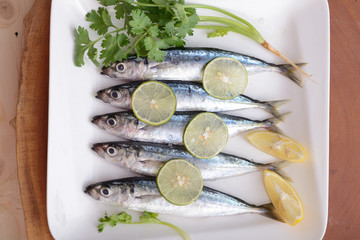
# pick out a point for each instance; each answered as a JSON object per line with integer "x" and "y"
{"x": 299, "y": 29}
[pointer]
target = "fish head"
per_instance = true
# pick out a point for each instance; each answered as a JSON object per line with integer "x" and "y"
{"x": 113, "y": 192}
{"x": 106, "y": 121}
{"x": 128, "y": 69}
{"x": 118, "y": 96}
{"x": 114, "y": 152}
{"x": 101, "y": 149}
{"x": 121, "y": 123}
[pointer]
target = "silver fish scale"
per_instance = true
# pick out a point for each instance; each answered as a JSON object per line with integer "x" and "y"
{"x": 188, "y": 64}
{"x": 129, "y": 127}
{"x": 148, "y": 158}
{"x": 205, "y": 55}
{"x": 146, "y": 197}
{"x": 192, "y": 97}
{"x": 189, "y": 97}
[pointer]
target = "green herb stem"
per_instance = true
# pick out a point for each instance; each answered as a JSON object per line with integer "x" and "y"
{"x": 215, "y": 27}
{"x": 105, "y": 35}
{"x": 224, "y": 12}
{"x": 179, "y": 230}
{"x": 240, "y": 28}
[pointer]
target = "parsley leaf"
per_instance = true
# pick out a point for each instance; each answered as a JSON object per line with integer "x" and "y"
{"x": 140, "y": 49}
{"x": 154, "y": 31}
{"x": 101, "y": 20}
{"x": 81, "y": 45}
{"x": 151, "y": 29}
{"x": 114, "y": 2}
{"x": 140, "y": 22}
{"x": 154, "y": 49}
{"x": 179, "y": 12}
{"x": 187, "y": 27}
{"x": 101, "y": 227}
{"x": 174, "y": 41}
{"x": 146, "y": 218}
{"x": 108, "y": 2}
{"x": 170, "y": 28}
{"x": 93, "y": 54}
{"x": 111, "y": 48}
{"x": 123, "y": 10}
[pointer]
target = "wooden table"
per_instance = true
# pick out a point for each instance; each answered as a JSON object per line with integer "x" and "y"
{"x": 31, "y": 120}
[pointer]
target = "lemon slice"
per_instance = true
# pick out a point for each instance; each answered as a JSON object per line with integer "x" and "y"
{"x": 225, "y": 78}
{"x": 153, "y": 102}
{"x": 179, "y": 182}
{"x": 206, "y": 135}
{"x": 283, "y": 197}
{"x": 277, "y": 145}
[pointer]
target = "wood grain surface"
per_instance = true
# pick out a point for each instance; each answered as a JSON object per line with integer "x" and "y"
{"x": 31, "y": 121}
{"x": 12, "y": 218}
{"x": 344, "y": 214}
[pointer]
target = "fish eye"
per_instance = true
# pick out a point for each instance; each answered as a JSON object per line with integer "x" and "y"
{"x": 111, "y": 151}
{"x": 115, "y": 94}
{"x": 111, "y": 122}
{"x": 120, "y": 67}
{"x": 105, "y": 191}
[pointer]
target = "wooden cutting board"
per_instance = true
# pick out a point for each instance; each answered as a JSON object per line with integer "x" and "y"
{"x": 31, "y": 120}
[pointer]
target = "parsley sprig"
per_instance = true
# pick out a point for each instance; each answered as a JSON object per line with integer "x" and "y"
{"x": 148, "y": 26}
{"x": 146, "y": 218}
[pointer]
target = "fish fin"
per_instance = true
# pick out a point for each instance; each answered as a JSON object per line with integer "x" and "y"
{"x": 277, "y": 167}
{"x": 289, "y": 71}
{"x": 271, "y": 212}
{"x": 271, "y": 123}
{"x": 271, "y": 107}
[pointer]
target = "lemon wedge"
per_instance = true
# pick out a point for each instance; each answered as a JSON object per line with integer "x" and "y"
{"x": 284, "y": 197}
{"x": 277, "y": 145}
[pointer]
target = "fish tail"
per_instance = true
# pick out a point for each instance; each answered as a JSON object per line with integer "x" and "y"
{"x": 277, "y": 167}
{"x": 270, "y": 123}
{"x": 271, "y": 107}
{"x": 271, "y": 212}
{"x": 289, "y": 71}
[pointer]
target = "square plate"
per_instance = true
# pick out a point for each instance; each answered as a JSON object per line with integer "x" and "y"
{"x": 299, "y": 29}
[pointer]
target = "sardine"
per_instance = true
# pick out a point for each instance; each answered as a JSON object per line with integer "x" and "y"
{"x": 142, "y": 194}
{"x": 189, "y": 97}
{"x": 187, "y": 64}
{"x": 127, "y": 126}
{"x": 147, "y": 158}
